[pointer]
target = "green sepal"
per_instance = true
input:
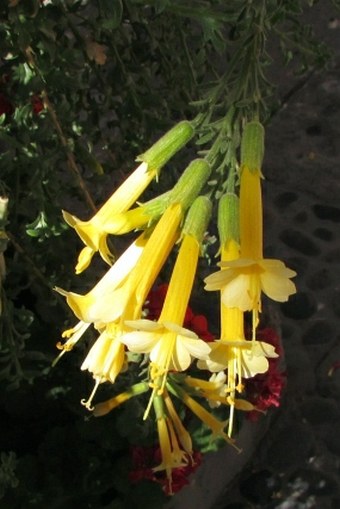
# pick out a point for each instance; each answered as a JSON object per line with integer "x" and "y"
{"x": 252, "y": 146}
{"x": 190, "y": 183}
{"x": 198, "y": 218}
{"x": 167, "y": 146}
{"x": 228, "y": 220}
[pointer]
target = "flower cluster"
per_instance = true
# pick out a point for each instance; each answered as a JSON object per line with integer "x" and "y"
{"x": 187, "y": 368}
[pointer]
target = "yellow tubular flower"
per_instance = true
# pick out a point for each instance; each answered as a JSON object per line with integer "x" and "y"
{"x": 172, "y": 455}
{"x": 82, "y": 305}
{"x": 217, "y": 427}
{"x": 94, "y": 231}
{"x": 182, "y": 434}
{"x": 171, "y": 347}
{"x": 105, "y": 359}
{"x": 105, "y": 407}
{"x": 243, "y": 279}
{"x": 242, "y": 359}
{"x": 131, "y": 277}
{"x": 108, "y": 306}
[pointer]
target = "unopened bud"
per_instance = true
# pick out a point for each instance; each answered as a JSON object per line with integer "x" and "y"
{"x": 167, "y": 146}
{"x": 252, "y": 146}
{"x": 228, "y": 221}
{"x": 198, "y": 218}
{"x": 190, "y": 183}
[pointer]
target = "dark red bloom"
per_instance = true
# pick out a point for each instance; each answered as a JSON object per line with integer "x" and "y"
{"x": 155, "y": 301}
{"x": 37, "y": 104}
{"x": 264, "y": 390}
{"x": 144, "y": 459}
{"x": 199, "y": 324}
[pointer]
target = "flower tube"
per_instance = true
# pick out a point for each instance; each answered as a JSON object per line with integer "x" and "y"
{"x": 93, "y": 232}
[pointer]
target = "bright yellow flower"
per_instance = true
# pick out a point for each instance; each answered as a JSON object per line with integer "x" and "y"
{"x": 242, "y": 359}
{"x": 129, "y": 280}
{"x": 217, "y": 427}
{"x": 171, "y": 347}
{"x": 84, "y": 306}
{"x": 172, "y": 455}
{"x": 243, "y": 280}
{"x": 105, "y": 407}
{"x": 174, "y": 440}
{"x": 94, "y": 232}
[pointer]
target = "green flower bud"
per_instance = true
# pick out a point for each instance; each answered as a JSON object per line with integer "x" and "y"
{"x": 252, "y": 146}
{"x": 198, "y": 218}
{"x": 228, "y": 221}
{"x": 190, "y": 183}
{"x": 167, "y": 145}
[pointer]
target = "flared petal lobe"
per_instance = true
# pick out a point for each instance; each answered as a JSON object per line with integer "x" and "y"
{"x": 242, "y": 281}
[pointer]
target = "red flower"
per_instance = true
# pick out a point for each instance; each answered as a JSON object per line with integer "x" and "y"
{"x": 264, "y": 390}
{"x": 144, "y": 459}
{"x": 199, "y": 324}
{"x": 37, "y": 104}
{"x": 155, "y": 301}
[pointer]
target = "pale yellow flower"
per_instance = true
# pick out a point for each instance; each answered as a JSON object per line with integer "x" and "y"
{"x": 248, "y": 358}
{"x": 242, "y": 359}
{"x": 105, "y": 359}
{"x": 94, "y": 231}
{"x": 129, "y": 280}
{"x": 171, "y": 347}
{"x": 242, "y": 281}
{"x": 84, "y": 306}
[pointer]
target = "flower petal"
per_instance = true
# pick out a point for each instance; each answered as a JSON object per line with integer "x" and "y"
{"x": 219, "y": 279}
{"x": 238, "y": 263}
{"x": 196, "y": 347}
{"x": 174, "y": 327}
{"x": 143, "y": 324}
{"x": 181, "y": 358}
{"x": 277, "y": 287}
{"x": 261, "y": 348}
{"x": 278, "y": 266}
{"x": 140, "y": 341}
{"x": 252, "y": 365}
{"x": 236, "y": 293}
